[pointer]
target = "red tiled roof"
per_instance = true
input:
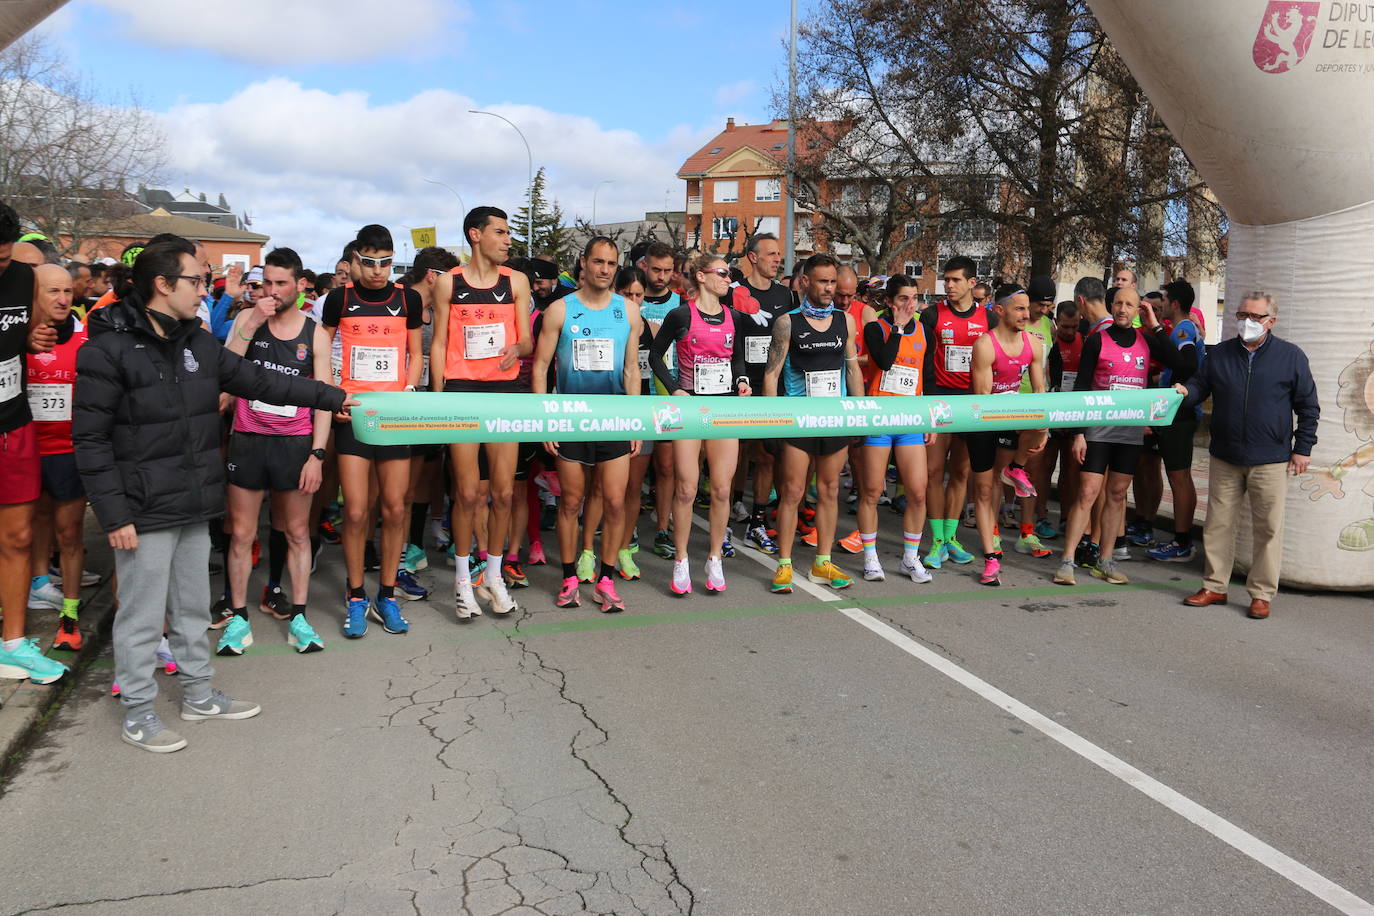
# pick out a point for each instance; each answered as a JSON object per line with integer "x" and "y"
{"x": 768, "y": 139}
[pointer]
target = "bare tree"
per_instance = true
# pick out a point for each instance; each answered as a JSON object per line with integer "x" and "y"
{"x": 67, "y": 155}
{"x": 1013, "y": 114}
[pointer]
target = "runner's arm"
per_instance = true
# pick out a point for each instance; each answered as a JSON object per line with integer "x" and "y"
{"x": 674, "y": 326}
{"x": 980, "y": 366}
{"x": 323, "y": 418}
{"x": 932, "y": 343}
{"x": 551, "y": 327}
{"x": 1056, "y": 363}
{"x": 853, "y": 372}
{"x": 739, "y": 368}
{"x": 415, "y": 342}
{"x": 882, "y": 347}
{"x": 777, "y": 354}
{"x": 520, "y": 285}
{"x": 438, "y": 345}
{"x": 632, "y": 350}
{"x": 1037, "y": 366}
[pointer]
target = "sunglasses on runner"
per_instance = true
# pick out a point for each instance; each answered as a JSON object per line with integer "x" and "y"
{"x": 374, "y": 262}
{"x": 722, "y": 272}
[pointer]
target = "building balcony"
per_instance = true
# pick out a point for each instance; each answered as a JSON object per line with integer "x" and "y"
{"x": 694, "y": 206}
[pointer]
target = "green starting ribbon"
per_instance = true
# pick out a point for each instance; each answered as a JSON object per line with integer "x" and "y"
{"x": 422, "y": 418}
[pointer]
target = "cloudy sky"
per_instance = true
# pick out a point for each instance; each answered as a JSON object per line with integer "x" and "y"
{"x": 316, "y": 117}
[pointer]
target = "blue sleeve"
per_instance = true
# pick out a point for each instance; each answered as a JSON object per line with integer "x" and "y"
{"x": 220, "y": 322}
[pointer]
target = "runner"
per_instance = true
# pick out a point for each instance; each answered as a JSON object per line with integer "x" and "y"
{"x": 1063, "y": 372}
{"x": 1034, "y": 523}
{"x": 762, "y": 261}
{"x": 952, "y": 326}
{"x": 630, "y": 283}
{"x": 1000, "y": 359}
{"x": 897, "y": 351}
{"x": 1176, "y": 440}
{"x": 377, "y": 325}
{"x": 61, "y": 509}
{"x": 276, "y": 448}
{"x": 664, "y": 276}
{"x": 594, "y": 334}
{"x": 481, "y": 329}
{"x": 847, "y": 300}
{"x": 812, "y": 354}
{"x": 22, "y": 333}
{"x": 1117, "y": 358}
{"x": 709, "y": 342}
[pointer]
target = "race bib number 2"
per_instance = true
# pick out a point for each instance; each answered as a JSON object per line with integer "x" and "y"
{"x": 711, "y": 377}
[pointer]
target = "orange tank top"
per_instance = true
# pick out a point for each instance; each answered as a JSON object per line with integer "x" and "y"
{"x": 481, "y": 323}
{"x": 373, "y": 337}
{"x": 904, "y": 378}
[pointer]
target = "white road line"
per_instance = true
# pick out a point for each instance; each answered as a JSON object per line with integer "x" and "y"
{"x": 1307, "y": 879}
{"x": 799, "y": 579}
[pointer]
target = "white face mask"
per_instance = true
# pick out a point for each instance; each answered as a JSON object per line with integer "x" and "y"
{"x": 1251, "y": 330}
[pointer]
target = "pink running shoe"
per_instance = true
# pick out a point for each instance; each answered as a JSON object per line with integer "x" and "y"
{"x": 1018, "y": 478}
{"x": 568, "y": 595}
{"x": 715, "y": 575}
{"x": 114, "y": 690}
{"x": 606, "y": 596}
{"x": 537, "y": 557}
{"x": 992, "y": 570}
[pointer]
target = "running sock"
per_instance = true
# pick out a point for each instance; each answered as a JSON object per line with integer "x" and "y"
{"x": 241, "y": 612}
{"x": 513, "y": 557}
{"x": 37, "y": 582}
{"x": 607, "y": 570}
{"x": 822, "y": 559}
{"x": 569, "y": 570}
{"x": 1118, "y": 543}
{"x": 1027, "y": 530}
{"x": 276, "y": 556}
{"x": 1184, "y": 538}
{"x": 481, "y": 556}
{"x": 784, "y": 561}
{"x": 297, "y": 610}
{"x": 12, "y": 644}
{"x": 70, "y": 606}
{"x": 357, "y": 593}
{"x": 385, "y": 591}
{"x": 911, "y": 547}
{"x": 462, "y": 567}
{"x": 1019, "y": 467}
{"x": 419, "y": 514}
{"x": 870, "y": 542}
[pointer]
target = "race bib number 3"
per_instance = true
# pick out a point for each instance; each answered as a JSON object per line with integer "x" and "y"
{"x": 50, "y": 403}
{"x": 10, "y": 372}
{"x": 593, "y": 354}
{"x": 901, "y": 380}
{"x": 756, "y": 349}
{"x": 483, "y": 341}
{"x": 958, "y": 359}
{"x": 375, "y": 364}
{"x": 823, "y": 384}
{"x": 711, "y": 377}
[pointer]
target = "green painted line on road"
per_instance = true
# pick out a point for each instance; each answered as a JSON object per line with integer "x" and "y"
{"x": 462, "y": 633}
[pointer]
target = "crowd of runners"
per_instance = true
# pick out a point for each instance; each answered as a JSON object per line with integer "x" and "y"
{"x": 175, "y": 404}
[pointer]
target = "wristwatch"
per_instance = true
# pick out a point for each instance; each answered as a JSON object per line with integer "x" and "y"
{"x": 317, "y": 453}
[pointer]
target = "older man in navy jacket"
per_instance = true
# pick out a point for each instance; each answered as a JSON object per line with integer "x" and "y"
{"x": 1257, "y": 383}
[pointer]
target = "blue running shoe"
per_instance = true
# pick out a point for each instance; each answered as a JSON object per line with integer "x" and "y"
{"x": 1045, "y": 530}
{"x": 727, "y": 549}
{"x": 1172, "y": 552}
{"x": 758, "y": 536}
{"x": 955, "y": 551}
{"x": 355, "y": 626}
{"x": 408, "y": 587}
{"x": 388, "y": 613}
{"x": 937, "y": 556}
{"x": 1143, "y": 534}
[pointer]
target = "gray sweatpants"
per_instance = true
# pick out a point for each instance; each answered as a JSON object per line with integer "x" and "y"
{"x": 165, "y": 577}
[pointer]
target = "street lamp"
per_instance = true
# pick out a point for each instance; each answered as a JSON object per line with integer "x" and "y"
{"x": 529, "y": 224}
{"x": 464, "y": 206}
{"x": 594, "y": 190}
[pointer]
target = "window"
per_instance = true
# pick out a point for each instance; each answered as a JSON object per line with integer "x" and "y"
{"x": 715, "y": 150}
{"x": 726, "y": 192}
{"x": 913, "y": 268}
{"x": 769, "y": 224}
{"x": 911, "y": 231}
{"x": 724, "y": 227}
{"x": 768, "y": 189}
{"x": 778, "y": 146}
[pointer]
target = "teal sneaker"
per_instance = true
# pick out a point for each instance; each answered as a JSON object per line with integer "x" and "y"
{"x": 1045, "y": 530}
{"x": 236, "y": 637}
{"x": 27, "y": 662}
{"x": 586, "y": 566}
{"x": 956, "y": 552}
{"x": 414, "y": 559}
{"x": 302, "y": 636}
{"x": 939, "y": 553}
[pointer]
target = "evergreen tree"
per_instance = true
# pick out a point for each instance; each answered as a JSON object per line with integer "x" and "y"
{"x": 551, "y": 234}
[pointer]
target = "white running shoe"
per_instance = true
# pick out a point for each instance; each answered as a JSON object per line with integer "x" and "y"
{"x": 873, "y": 570}
{"x": 682, "y": 578}
{"x": 715, "y": 575}
{"x": 501, "y": 601}
{"x": 465, "y": 602}
{"x": 46, "y": 596}
{"x": 916, "y": 570}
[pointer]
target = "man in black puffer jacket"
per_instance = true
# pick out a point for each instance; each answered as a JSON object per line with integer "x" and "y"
{"x": 146, "y": 430}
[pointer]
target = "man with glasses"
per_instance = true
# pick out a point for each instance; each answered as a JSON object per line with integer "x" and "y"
{"x": 1258, "y": 384}
{"x": 381, "y": 348}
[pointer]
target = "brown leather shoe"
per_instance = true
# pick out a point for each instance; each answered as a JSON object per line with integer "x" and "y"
{"x": 1259, "y": 609}
{"x": 1204, "y": 598}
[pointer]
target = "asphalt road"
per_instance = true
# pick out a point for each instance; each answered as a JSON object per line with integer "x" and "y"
{"x": 740, "y": 754}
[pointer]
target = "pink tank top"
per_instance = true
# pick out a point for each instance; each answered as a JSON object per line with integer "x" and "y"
{"x": 289, "y": 357}
{"x": 1008, "y": 370}
{"x": 1122, "y": 367}
{"x": 703, "y": 356}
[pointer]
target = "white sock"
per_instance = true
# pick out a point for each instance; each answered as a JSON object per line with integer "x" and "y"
{"x": 462, "y": 571}
{"x": 12, "y": 644}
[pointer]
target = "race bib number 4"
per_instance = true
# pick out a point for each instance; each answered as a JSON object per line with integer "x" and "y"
{"x": 375, "y": 364}
{"x": 712, "y": 377}
{"x": 50, "y": 403}
{"x": 901, "y": 380}
{"x": 11, "y": 371}
{"x": 483, "y": 341}
{"x": 593, "y": 354}
{"x": 756, "y": 349}
{"x": 823, "y": 384}
{"x": 958, "y": 359}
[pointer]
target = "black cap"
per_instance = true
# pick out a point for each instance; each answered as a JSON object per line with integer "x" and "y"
{"x": 540, "y": 269}
{"x": 1042, "y": 289}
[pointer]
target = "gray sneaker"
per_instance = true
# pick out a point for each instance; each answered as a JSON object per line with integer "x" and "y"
{"x": 150, "y": 734}
{"x": 1064, "y": 575}
{"x": 218, "y": 706}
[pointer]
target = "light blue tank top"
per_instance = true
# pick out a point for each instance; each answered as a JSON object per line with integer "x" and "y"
{"x": 591, "y": 347}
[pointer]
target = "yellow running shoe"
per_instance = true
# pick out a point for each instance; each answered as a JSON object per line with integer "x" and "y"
{"x": 828, "y": 573}
{"x": 782, "y": 579}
